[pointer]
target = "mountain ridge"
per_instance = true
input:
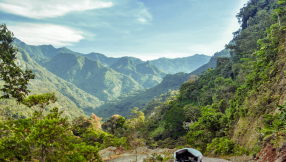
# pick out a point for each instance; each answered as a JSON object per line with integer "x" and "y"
{"x": 145, "y": 73}
{"x": 99, "y": 80}
{"x": 42, "y": 53}
{"x": 184, "y": 64}
{"x": 69, "y": 96}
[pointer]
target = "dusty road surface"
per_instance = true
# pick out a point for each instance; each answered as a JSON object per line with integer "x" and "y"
{"x": 141, "y": 157}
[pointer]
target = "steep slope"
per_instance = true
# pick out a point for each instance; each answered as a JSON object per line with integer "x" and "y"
{"x": 211, "y": 63}
{"x": 108, "y": 60}
{"x": 238, "y": 107}
{"x": 257, "y": 101}
{"x": 41, "y": 53}
{"x": 125, "y": 65}
{"x": 126, "y": 102}
{"x": 151, "y": 74}
{"x": 185, "y": 64}
{"x": 145, "y": 73}
{"x": 70, "y": 98}
{"x": 102, "y": 58}
{"x": 91, "y": 76}
{"x": 149, "y": 68}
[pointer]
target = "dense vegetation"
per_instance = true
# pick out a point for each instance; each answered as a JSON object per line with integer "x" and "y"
{"x": 185, "y": 64}
{"x": 46, "y": 135}
{"x": 221, "y": 111}
{"x": 235, "y": 108}
{"x": 41, "y": 54}
{"x": 145, "y": 73}
{"x": 71, "y": 98}
{"x": 116, "y": 91}
{"x": 126, "y": 102}
{"x": 91, "y": 76}
{"x": 212, "y": 62}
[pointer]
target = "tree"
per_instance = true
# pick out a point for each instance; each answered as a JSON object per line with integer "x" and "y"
{"x": 134, "y": 126}
{"x": 46, "y": 138}
{"x": 113, "y": 124}
{"x": 43, "y": 137}
{"x": 52, "y": 137}
{"x": 16, "y": 80}
{"x": 95, "y": 121}
{"x": 39, "y": 101}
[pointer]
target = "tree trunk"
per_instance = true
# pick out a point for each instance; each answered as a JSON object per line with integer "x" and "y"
{"x": 279, "y": 21}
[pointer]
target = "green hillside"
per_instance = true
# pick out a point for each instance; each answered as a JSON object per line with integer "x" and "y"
{"x": 108, "y": 60}
{"x": 102, "y": 58}
{"x": 125, "y": 65}
{"x": 145, "y": 73}
{"x": 91, "y": 76}
{"x": 211, "y": 63}
{"x": 185, "y": 64}
{"x": 126, "y": 102}
{"x": 41, "y": 53}
{"x": 234, "y": 110}
{"x": 237, "y": 108}
{"x": 70, "y": 98}
{"x": 44, "y": 53}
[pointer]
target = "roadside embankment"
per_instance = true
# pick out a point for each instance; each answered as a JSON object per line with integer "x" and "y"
{"x": 113, "y": 154}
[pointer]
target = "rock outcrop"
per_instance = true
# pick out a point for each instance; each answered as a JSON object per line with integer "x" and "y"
{"x": 270, "y": 154}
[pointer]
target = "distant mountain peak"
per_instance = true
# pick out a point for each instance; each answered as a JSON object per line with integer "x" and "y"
{"x": 184, "y": 64}
{"x": 126, "y": 60}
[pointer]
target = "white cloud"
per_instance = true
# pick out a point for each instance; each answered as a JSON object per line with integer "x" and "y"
{"x": 39, "y": 34}
{"x": 142, "y": 14}
{"x": 39, "y": 9}
{"x": 141, "y": 19}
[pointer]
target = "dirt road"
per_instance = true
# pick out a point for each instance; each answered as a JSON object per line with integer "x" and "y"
{"x": 141, "y": 157}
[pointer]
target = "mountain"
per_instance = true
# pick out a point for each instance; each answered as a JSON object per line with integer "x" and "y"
{"x": 211, "y": 63}
{"x": 125, "y": 65}
{"x": 91, "y": 76}
{"x": 237, "y": 108}
{"x": 42, "y": 53}
{"x": 122, "y": 87}
{"x": 126, "y": 102}
{"x": 107, "y": 60}
{"x": 102, "y": 58}
{"x": 73, "y": 100}
{"x": 241, "y": 102}
{"x": 185, "y": 64}
{"x": 145, "y": 73}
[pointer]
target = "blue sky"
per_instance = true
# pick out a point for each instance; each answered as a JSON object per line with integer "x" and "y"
{"x": 146, "y": 29}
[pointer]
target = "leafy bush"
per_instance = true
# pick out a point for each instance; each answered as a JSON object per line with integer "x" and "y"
{"x": 212, "y": 124}
{"x": 224, "y": 146}
{"x": 47, "y": 138}
{"x": 275, "y": 126}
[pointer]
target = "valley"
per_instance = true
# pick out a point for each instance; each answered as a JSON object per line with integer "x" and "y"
{"x": 116, "y": 84}
{"x": 62, "y": 105}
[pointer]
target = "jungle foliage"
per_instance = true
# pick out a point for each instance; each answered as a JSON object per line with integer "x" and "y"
{"x": 218, "y": 98}
{"x": 206, "y": 113}
{"x": 46, "y": 135}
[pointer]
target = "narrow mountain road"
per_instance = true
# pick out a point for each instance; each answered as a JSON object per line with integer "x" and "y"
{"x": 141, "y": 157}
